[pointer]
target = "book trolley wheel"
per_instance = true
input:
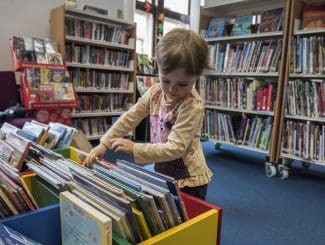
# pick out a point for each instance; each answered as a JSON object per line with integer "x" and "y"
{"x": 217, "y": 146}
{"x": 270, "y": 170}
{"x": 283, "y": 171}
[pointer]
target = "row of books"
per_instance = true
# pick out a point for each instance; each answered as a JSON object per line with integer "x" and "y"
{"x": 251, "y": 131}
{"x": 96, "y": 31}
{"x": 111, "y": 199}
{"x": 305, "y": 98}
{"x": 240, "y": 93}
{"x": 94, "y": 126}
{"x": 36, "y": 50}
{"x": 250, "y": 56}
{"x": 15, "y": 196}
{"x": 100, "y": 79}
{"x": 308, "y": 54}
{"x": 145, "y": 82}
{"x": 304, "y": 139}
{"x": 95, "y": 55}
{"x": 269, "y": 21}
{"x": 52, "y": 135}
{"x": 146, "y": 65}
{"x": 102, "y": 103}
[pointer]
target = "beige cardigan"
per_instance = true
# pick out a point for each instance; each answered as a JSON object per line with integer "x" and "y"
{"x": 181, "y": 140}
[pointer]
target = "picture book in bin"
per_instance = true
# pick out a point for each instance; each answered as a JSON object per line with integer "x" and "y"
{"x": 82, "y": 223}
{"x": 313, "y": 16}
{"x": 216, "y": 27}
{"x": 242, "y": 25}
{"x": 272, "y": 20}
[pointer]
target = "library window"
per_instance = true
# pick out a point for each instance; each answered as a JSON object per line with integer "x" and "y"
{"x": 180, "y": 6}
{"x": 144, "y": 32}
{"x": 170, "y": 24}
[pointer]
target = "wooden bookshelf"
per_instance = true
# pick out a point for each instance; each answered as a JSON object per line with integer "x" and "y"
{"x": 292, "y": 113}
{"x": 248, "y": 7}
{"x": 99, "y": 52}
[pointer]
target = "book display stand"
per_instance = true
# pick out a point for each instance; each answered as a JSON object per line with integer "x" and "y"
{"x": 45, "y": 84}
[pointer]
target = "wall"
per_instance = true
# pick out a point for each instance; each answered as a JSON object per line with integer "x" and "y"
{"x": 31, "y": 18}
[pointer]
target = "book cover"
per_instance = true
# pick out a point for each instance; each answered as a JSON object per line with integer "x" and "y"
{"x": 216, "y": 27}
{"x": 54, "y": 58}
{"x": 271, "y": 20}
{"x": 81, "y": 223}
{"x": 63, "y": 91}
{"x": 313, "y": 16}
{"x": 46, "y": 93}
{"x": 242, "y": 25}
{"x": 11, "y": 236}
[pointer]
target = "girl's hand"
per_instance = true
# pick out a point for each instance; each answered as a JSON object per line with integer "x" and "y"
{"x": 97, "y": 152}
{"x": 120, "y": 144}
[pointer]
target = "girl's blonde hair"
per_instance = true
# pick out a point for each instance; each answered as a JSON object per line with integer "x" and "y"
{"x": 182, "y": 48}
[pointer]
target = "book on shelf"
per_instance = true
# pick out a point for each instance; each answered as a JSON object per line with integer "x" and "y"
{"x": 313, "y": 16}
{"x": 216, "y": 27}
{"x": 272, "y": 20}
{"x": 242, "y": 25}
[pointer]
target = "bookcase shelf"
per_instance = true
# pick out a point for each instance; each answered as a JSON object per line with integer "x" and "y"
{"x": 267, "y": 35}
{"x": 104, "y": 19}
{"x": 100, "y": 55}
{"x": 294, "y": 75}
{"x": 232, "y": 75}
{"x": 80, "y": 40}
{"x": 102, "y": 67}
{"x": 304, "y": 88}
{"x": 309, "y": 32}
{"x": 244, "y": 74}
{"x": 293, "y": 157}
{"x": 245, "y": 147}
{"x": 222, "y": 108}
{"x": 302, "y": 118}
{"x": 101, "y": 90}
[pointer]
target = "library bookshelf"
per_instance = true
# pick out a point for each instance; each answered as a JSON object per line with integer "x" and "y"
{"x": 238, "y": 113}
{"x": 99, "y": 52}
{"x": 303, "y": 109}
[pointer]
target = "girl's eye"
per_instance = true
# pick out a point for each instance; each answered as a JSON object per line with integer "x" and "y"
{"x": 182, "y": 85}
{"x": 165, "y": 81}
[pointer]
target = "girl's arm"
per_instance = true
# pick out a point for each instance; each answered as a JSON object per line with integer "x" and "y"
{"x": 128, "y": 120}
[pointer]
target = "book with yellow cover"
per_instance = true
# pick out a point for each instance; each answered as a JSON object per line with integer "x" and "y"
{"x": 81, "y": 223}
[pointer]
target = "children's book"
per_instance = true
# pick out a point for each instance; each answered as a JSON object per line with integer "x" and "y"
{"x": 271, "y": 20}
{"x": 313, "y": 16}
{"x": 216, "y": 27}
{"x": 82, "y": 223}
{"x": 242, "y": 25}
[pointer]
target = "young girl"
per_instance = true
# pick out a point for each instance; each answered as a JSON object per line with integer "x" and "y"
{"x": 176, "y": 115}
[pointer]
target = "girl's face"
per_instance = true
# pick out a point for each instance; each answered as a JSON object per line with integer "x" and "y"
{"x": 177, "y": 84}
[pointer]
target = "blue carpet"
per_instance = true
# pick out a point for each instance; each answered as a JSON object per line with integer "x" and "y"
{"x": 262, "y": 210}
{"x": 258, "y": 209}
